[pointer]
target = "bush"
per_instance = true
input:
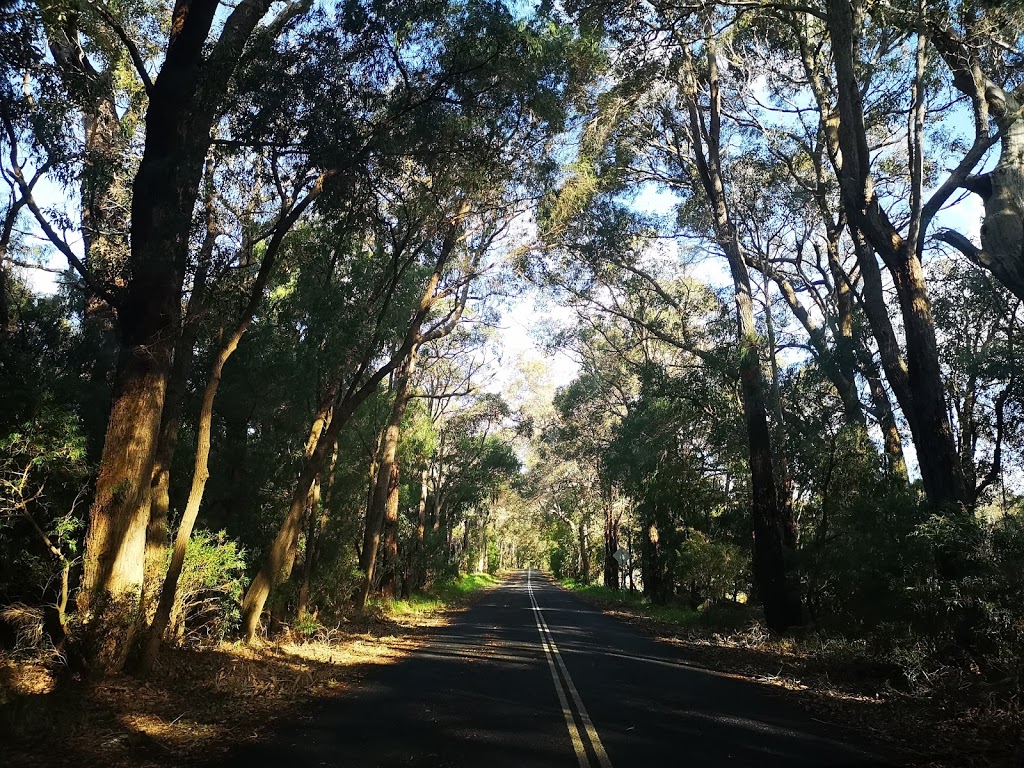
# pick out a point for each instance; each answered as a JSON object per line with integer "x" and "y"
{"x": 210, "y": 588}
{"x": 925, "y": 590}
{"x": 714, "y": 569}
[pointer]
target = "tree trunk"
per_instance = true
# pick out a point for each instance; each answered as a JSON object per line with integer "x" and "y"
{"x": 182, "y": 105}
{"x": 896, "y": 465}
{"x": 157, "y": 532}
{"x": 384, "y": 510}
{"x": 611, "y": 546}
{"x": 1002, "y": 233}
{"x": 584, "y": 553}
{"x": 464, "y": 549}
{"x": 115, "y": 546}
{"x": 773, "y": 528}
{"x": 481, "y": 561}
{"x": 104, "y": 221}
{"x": 419, "y": 576}
{"x": 781, "y": 453}
{"x": 313, "y": 539}
{"x": 313, "y": 517}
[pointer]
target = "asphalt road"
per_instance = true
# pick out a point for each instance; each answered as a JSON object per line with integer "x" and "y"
{"x": 532, "y": 676}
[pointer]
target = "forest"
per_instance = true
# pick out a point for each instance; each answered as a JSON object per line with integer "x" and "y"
{"x": 268, "y": 269}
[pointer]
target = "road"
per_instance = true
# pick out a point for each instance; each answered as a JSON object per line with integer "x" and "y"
{"x": 532, "y": 676}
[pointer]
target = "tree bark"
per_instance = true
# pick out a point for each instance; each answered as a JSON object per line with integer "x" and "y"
{"x": 941, "y": 472}
{"x": 314, "y": 537}
{"x": 584, "y": 553}
{"x": 183, "y": 104}
{"x": 201, "y": 470}
{"x": 386, "y": 488}
{"x": 419, "y": 569}
{"x": 611, "y": 546}
{"x": 157, "y": 532}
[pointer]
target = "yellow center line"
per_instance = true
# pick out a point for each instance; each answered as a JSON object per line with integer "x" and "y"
{"x": 553, "y": 657}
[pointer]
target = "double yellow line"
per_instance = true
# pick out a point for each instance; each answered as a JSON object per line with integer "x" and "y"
{"x": 555, "y": 664}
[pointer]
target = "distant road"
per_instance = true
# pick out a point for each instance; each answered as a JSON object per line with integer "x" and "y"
{"x": 532, "y": 676}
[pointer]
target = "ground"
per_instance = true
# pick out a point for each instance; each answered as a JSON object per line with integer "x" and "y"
{"x": 199, "y": 699}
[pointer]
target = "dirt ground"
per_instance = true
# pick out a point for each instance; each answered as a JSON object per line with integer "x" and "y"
{"x": 197, "y": 702}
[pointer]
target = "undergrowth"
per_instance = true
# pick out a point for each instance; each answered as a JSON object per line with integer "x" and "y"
{"x": 933, "y": 714}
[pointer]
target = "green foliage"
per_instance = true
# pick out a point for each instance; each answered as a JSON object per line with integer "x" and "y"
{"x": 43, "y": 476}
{"x": 713, "y": 569}
{"x": 210, "y": 588}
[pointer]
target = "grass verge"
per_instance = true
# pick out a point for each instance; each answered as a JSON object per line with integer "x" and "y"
{"x": 442, "y": 597}
{"x": 948, "y": 720}
{"x": 201, "y": 701}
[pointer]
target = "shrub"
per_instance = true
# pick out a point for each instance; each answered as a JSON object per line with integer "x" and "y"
{"x": 714, "y": 569}
{"x": 210, "y": 588}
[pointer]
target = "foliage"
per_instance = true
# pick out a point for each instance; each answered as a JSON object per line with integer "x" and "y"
{"x": 210, "y": 588}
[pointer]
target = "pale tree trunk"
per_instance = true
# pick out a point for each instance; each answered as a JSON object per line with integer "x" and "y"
{"x": 584, "y": 552}
{"x": 481, "y": 563}
{"x": 386, "y": 486}
{"x": 201, "y": 470}
{"x": 389, "y": 545}
{"x": 853, "y": 356}
{"x": 1002, "y": 188}
{"x": 419, "y": 569}
{"x": 1002, "y": 233}
{"x": 830, "y": 362}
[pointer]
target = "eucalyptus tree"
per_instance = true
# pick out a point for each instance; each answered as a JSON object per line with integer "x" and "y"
{"x": 663, "y": 121}
{"x": 588, "y": 410}
{"x": 979, "y": 324}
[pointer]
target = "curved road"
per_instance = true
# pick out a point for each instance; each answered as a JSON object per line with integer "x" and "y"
{"x": 532, "y": 676}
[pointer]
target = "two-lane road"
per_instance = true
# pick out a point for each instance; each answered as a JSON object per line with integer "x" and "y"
{"x": 531, "y": 676}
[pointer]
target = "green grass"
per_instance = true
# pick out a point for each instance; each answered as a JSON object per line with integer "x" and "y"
{"x": 634, "y": 602}
{"x": 441, "y": 596}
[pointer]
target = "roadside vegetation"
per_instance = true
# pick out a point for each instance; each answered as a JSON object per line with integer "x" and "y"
{"x": 919, "y": 712}
{"x": 257, "y": 261}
